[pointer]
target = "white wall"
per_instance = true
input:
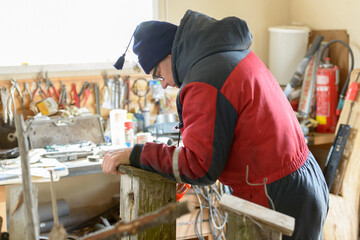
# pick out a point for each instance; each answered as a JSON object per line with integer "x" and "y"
{"x": 331, "y": 14}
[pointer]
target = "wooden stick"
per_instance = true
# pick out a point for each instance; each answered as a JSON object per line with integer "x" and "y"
{"x": 53, "y": 199}
{"x": 163, "y": 216}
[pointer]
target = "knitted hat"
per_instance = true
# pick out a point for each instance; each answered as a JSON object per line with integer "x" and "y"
{"x": 153, "y": 41}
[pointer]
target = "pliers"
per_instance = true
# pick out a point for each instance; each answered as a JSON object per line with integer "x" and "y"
{"x": 86, "y": 90}
{"x": 50, "y": 85}
{"x": 38, "y": 88}
{"x": 15, "y": 86}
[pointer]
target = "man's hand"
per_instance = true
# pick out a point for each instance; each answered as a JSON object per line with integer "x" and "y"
{"x": 114, "y": 158}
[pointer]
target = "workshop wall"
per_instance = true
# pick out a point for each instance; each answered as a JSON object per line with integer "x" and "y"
{"x": 258, "y": 14}
{"x": 332, "y": 15}
{"x": 136, "y": 103}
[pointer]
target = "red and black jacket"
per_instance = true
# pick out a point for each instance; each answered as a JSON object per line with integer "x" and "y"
{"x": 237, "y": 125}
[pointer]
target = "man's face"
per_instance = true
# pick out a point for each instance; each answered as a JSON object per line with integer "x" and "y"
{"x": 163, "y": 70}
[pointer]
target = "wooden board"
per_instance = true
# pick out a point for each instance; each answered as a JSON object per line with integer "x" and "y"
{"x": 19, "y": 226}
{"x": 270, "y": 219}
{"x": 343, "y": 218}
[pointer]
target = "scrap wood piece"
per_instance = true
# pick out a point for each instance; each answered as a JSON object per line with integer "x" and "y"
{"x": 267, "y": 217}
{"x": 164, "y": 215}
{"x": 18, "y": 203}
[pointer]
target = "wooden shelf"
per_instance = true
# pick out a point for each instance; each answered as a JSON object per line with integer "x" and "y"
{"x": 320, "y": 138}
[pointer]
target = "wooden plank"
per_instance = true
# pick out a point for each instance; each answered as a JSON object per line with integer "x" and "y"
{"x": 142, "y": 192}
{"x": 267, "y": 217}
{"x": 247, "y": 229}
{"x": 342, "y": 221}
{"x": 3, "y": 208}
{"x": 19, "y": 228}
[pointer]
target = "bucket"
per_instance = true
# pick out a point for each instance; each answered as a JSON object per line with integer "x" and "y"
{"x": 287, "y": 47}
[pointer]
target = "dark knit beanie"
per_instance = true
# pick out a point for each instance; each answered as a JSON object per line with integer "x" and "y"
{"x": 153, "y": 41}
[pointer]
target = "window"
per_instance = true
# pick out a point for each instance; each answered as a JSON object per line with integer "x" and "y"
{"x": 43, "y": 32}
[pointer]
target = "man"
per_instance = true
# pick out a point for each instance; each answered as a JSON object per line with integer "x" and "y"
{"x": 237, "y": 125}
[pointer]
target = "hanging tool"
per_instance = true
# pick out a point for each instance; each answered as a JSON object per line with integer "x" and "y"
{"x": 75, "y": 96}
{"x": 338, "y": 146}
{"x": 85, "y": 89}
{"x": 63, "y": 98}
{"x": 38, "y": 87}
{"x": 27, "y": 91}
{"x": 107, "y": 93}
{"x": 297, "y": 77}
{"x": 97, "y": 98}
{"x": 141, "y": 88}
{"x": 49, "y": 86}
{"x": 127, "y": 93}
{"x": 6, "y": 102}
{"x": 15, "y": 86}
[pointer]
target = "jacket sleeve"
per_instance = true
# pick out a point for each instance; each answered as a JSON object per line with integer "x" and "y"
{"x": 209, "y": 122}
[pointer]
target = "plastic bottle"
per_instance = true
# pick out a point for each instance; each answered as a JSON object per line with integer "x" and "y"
{"x": 129, "y": 134}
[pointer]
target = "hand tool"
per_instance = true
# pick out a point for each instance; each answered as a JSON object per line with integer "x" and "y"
{"x": 63, "y": 98}
{"x": 50, "y": 85}
{"x": 6, "y": 102}
{"x": 127, "y": 93}
{"x": 27, "y": 91}
{"x": 338, "y": 146}
{"x": 15, "y": 86}
{"x": 75, "y": 96}
{"x": 107, "y": 93}
{"x": 297, "y": 77}
{"x": 97, "y": 98}
{"x": 85, "y": 89}
{"x": 38, "y": 87}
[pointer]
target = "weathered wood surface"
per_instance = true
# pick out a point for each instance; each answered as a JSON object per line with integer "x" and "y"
{"x": 245, "y": 229}
{"x": 270, "y": 223}
{"x": 342, "y": 222}
{"x": 19, "y": 226}
{"x": 30, "y": 218}
{"x": 143, "y": 192}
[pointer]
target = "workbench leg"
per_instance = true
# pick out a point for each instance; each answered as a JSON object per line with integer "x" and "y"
{"x": 3, "y": 208}
{"x": 140, "y": 195}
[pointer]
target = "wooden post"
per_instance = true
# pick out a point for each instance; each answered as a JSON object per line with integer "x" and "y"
{"x": 31, "y": 218}
{"x": 3, "y": 208}
{"x": 19, "y": 226}
{"x": 250, "y": 221}
{"x": 142, "y": 192}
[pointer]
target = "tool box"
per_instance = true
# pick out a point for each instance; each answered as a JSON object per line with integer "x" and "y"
{"x": 62, "y": 131}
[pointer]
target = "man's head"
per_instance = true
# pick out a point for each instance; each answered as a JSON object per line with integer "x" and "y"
{"x": 153, "y": 41}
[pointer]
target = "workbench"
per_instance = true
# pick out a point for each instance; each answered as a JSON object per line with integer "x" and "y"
{"x": 81, "y": 186}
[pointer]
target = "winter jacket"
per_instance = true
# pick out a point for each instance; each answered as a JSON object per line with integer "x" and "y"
{"x": 237, "y": 125}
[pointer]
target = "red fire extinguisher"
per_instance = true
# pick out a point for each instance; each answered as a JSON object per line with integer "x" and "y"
{"x": 327, "y": 84}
